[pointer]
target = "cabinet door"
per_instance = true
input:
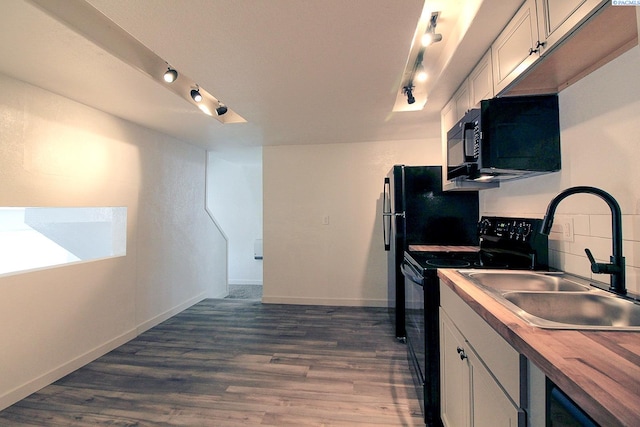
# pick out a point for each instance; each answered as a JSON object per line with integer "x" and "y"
{"x": 557, "y": 18}
{"x": 454, "y": 374}
{"x": 447, "y": 121}
{"x": 448, "y": 117}
{"x": 462, "y": 100}
{"x": 490, "y": 406}
{"x": 511, "y": 51}
{"x": 481, "y": 81}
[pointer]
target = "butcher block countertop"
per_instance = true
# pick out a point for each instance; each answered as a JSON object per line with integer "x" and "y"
{"x": 599, "y": 370}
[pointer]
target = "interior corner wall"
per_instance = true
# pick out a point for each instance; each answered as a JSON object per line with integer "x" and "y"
{"x": 323, "y": 241}
{"x": 599, "y": 121}
{"x": 234, "y": 197}
{"x": 56, "y": 152}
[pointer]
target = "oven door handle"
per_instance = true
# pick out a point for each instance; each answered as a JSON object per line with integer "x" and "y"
{"x": 410, "y": 272}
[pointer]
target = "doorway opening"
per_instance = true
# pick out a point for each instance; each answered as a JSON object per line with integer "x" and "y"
{"x": 234, "y": 198}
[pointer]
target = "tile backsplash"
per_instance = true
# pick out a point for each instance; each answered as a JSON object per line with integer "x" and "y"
{"x": 594, "y": 232}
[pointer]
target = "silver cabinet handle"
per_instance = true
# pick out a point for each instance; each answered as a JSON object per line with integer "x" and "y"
{"x": 461, "y": 352}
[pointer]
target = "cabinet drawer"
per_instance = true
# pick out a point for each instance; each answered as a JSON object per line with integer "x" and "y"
{"x": 500, "y": 358}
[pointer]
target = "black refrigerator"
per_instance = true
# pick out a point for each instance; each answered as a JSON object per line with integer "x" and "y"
{"x": 415, "y": 211}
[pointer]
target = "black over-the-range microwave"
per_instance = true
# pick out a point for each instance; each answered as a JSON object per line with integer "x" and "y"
{"x": 506, "y": 138}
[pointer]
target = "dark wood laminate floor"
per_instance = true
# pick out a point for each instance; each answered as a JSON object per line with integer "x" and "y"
{"x": 239, "y": 362}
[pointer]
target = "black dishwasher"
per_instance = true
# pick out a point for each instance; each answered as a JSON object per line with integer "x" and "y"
{"x": 563, "y": 412}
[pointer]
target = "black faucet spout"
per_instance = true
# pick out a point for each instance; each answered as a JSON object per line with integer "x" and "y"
{"x": 617, "y": 266}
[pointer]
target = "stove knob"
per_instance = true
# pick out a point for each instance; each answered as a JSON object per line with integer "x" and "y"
{"x": 484, "y": 227}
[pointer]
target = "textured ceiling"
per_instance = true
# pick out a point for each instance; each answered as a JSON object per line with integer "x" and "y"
{"x": 299, "y": 72}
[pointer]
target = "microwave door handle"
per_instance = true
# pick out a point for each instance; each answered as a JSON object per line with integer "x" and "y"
{"x": 386, "y": 215}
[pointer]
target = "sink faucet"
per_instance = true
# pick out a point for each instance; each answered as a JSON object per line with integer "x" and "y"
{"x": 616, "y": 267}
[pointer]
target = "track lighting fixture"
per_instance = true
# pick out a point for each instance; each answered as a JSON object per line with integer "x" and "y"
{"x": 92, "y": 24}
{"x": 430, "y": 35}
{"x": 170, "y": 75}
{"x": 195, "y": 94}
{"x": 222, "y": 109}
{"x": 408, "y": 90}
{"x": 415, "y": 75}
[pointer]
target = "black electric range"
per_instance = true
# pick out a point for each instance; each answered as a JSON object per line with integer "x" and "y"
{"x": 505, "y": 243}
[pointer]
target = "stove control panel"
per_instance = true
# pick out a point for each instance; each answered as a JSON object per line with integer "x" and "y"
{"x": 508, "y": 229}
{"x": 514, "y": 242}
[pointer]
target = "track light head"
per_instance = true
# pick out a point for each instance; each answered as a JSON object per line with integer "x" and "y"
{"x": 222, "y": 109}
{"x": 430, "y": 35}
{"x": 408, "y": 90}
{"x": 195, "y": 95}
{"x": 421, "y": 74}
{"x": 170, "y": 75}
{"x": 430, "y": 38}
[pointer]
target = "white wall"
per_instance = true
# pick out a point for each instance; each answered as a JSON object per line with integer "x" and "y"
{"x": 600, "y": 139}
{"x": 342, "y": 262}
{"x": 55, "y": 152}
{"x": 234, "y": 192}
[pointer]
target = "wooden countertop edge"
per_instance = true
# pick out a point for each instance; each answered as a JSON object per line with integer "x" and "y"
{"x": 599, "y": 370}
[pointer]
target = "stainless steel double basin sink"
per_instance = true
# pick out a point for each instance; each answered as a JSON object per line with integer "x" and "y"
{"x": 557, "y": 301}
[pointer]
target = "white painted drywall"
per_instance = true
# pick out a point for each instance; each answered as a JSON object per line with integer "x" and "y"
{"x": 234, "y": 190}
{"x": 600, "y": 139}
{"x": 323, "y": 240}
{"x": 56, "y": 152}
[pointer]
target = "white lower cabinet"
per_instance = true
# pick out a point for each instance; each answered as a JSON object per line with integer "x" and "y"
{"x": 454, "y": 374}
{"x": 481, "y": 374}
{"x": 470, "y": 394}
{"x": 490, "y": 405}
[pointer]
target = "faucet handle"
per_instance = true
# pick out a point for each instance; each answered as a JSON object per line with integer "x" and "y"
{"x": 600, "y": 268}
{"x": 592, "y": 260}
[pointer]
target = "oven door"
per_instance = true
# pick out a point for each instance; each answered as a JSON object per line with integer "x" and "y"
{"x": 422, "y": 322}
{"x": 414, "y": 326}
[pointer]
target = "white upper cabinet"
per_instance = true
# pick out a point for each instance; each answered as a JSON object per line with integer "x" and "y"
{"x": 516, "y": 48}
{"x": 462, "y": 100}
{"x": 545, "y": 47}
{"x": 448, "y": 118}
{"x": 475, "y": 88}
{"x": 481, "y": 81}
{"x": 557, "y": 18}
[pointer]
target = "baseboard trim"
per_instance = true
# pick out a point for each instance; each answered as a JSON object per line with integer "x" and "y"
{"x": 145, "y": 326}
{"x": 22, "y": 391}
{"x": 55, "y": 374}
{"x": 345, "y": 302}
{"x": 245, "y": 282}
